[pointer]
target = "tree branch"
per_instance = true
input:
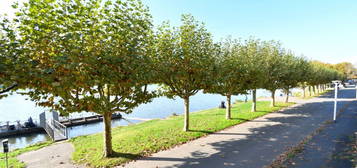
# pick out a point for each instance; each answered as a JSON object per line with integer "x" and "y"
{"x": 8, "y": 88}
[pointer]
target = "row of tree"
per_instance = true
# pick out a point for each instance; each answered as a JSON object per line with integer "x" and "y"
{"x": 89, "y": 55}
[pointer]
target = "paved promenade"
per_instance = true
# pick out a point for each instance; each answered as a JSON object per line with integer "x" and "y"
{"x": 55, "y": 156}
{"x": 330, "y": 148}
{"x": 253, "y": 144}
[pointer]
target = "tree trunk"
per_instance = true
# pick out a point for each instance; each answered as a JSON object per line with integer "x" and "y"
{"x": 108, "y": 150}
{"x": 303, "y": 92}
{"x": 254, "y": 100}
{"x": 187, "y": 110}
{"x": 228, "y": 108}
{"x": 314, "y": 90}
{"x": 287, "y": 96}
{"x": 310, "y": 91}
{"x": 272, "y": 98}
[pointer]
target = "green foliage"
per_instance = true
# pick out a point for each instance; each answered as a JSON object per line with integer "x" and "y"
{"x": 230, "y": 74}
{"x": 295, "y": 71}
{"x": 87, "y": 55}
{"x": 240, "y": 66}
{"x": 322, "y": 73}
{"x": 183, "y": 56}
{"x": 274, "y": 65}
{"x": 254, "y": 63}
{"x": 135, "y": 141}
{"x": 12, "y": 66}
{"x": 346, "y": 68}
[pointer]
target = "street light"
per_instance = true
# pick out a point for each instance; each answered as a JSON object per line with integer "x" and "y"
{"x": 336, "y": 82}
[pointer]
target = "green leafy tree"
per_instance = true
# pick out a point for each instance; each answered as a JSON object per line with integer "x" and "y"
{"x": 313, "y": 76}
{"x": 184, "y": 59}
{"x": 294, "y": 72}
{"x": 321, "y": 74}
{"x": 230, "y": 73}
{"x": 303, "y": 84}
{"x": 88, "y": 55}
{"x": 253, "y": 60}
{"x": 346, "y": 68}
{"x": 273, "y": 58}
{"x": 10, "y": 66}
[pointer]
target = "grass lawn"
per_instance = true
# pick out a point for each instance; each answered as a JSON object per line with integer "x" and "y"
{"x": 13, "y": 162}
{"x": 145, "y": 138}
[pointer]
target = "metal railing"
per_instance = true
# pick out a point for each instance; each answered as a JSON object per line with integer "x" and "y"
{"x": 49, "y": 130}
{"x": 60, "y": 127}
{"x": 54, "y": 128}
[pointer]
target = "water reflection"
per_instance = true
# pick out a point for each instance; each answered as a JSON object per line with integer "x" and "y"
{"x": 95, "y": 127}
{"x": 25, "y": 140}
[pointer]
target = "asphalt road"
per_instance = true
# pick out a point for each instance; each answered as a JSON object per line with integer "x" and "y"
{"x": 330, "y": 148}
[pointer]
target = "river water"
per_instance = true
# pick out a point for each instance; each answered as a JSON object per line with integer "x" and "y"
{"x": 18, "y": 107}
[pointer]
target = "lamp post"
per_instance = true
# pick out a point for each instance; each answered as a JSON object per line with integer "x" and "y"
{"x": 335, "y": 103}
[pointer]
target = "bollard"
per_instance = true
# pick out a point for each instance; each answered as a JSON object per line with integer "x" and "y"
{"x": 5, "y": 144}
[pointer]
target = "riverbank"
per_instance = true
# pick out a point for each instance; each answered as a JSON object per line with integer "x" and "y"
{"x": 160, "y": 107}
{"x": 143, "y": 139}
{"x": 179, "y": 124}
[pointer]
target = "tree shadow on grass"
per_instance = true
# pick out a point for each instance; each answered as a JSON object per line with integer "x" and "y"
{"x": 210, "y": 132}
{"x": 202, "y": 131}
{"x": 280, "y": 106}
{"x": 237, "y": 118}
{"x": 218, "y": 133}
{"x": 261, "y": 111}
{"x": 125, "y": 155}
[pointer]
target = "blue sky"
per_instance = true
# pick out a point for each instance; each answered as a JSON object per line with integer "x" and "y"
{"x": 324, "y": 30}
